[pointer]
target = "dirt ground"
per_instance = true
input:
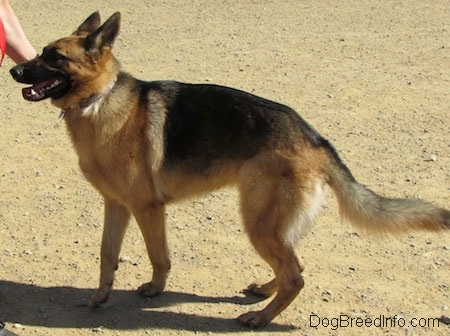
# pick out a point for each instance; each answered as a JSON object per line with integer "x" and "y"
{"x": 372, "y": 77}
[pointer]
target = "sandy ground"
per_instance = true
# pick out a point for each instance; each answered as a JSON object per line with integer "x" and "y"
{"x": 372, "y": 77}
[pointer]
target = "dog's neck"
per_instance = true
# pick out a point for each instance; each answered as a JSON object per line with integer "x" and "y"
{"x": 90, "y": 106}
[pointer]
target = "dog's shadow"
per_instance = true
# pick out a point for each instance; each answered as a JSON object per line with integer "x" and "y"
{"x": 64, "y": 307}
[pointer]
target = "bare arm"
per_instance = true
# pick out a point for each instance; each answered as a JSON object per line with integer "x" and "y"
{"x": 18, "y": 47}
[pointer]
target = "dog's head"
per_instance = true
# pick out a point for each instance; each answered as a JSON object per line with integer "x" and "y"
{"x": 72, "y": 68}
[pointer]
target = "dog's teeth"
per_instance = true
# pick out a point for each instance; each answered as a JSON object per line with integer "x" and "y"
{"x": 33, "y": 92}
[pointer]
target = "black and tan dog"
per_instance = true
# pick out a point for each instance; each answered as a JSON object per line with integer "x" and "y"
{"x": 146, "y": 144}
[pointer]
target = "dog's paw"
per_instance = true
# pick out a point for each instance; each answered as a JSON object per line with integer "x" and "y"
{"x": 101, "y": 296}
{"x": 149, "y": 290}
{"x": 254, "y": 320}
{"x": 261, "y": 290}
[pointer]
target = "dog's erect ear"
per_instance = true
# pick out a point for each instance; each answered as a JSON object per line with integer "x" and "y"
{"x": 89, "y": 25}
{"x": 103, "y": 36}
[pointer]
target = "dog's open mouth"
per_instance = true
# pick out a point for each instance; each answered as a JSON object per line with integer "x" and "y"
{"x": 45, "y": 82}
{"x": 51, "y": 88}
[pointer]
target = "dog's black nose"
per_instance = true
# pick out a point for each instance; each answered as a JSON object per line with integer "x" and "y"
{"x": 17, "y": 72}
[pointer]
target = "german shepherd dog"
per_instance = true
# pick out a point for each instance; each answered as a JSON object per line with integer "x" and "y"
{"x": 143, "y": 145}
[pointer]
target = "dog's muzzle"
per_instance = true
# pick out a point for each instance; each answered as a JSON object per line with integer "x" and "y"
{"x": 45, "y": 83}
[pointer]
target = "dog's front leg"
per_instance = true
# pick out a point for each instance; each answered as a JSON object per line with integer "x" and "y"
{"x": 152, "y": 224}
{"x": 116, "y": 221}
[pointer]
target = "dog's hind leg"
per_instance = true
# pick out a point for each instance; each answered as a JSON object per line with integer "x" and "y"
{"x": 269, "y": 288}
{"x": 277, "y": 202}
{"x": 115, "y": 224}
{"x": 281, "y": 257}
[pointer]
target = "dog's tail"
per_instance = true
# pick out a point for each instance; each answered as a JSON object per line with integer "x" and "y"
{"x": 367, "y": 210}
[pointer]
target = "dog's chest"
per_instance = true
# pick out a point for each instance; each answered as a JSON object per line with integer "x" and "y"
{"x": 117, "y": 175}
{"x": 116, "y": 167}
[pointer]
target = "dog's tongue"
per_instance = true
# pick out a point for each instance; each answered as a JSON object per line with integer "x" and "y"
{"x": 40, "y": 91}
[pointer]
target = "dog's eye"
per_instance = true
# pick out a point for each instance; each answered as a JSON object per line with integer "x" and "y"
{"x": 59, "y": 57}
{"x": 52, "y": 55}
